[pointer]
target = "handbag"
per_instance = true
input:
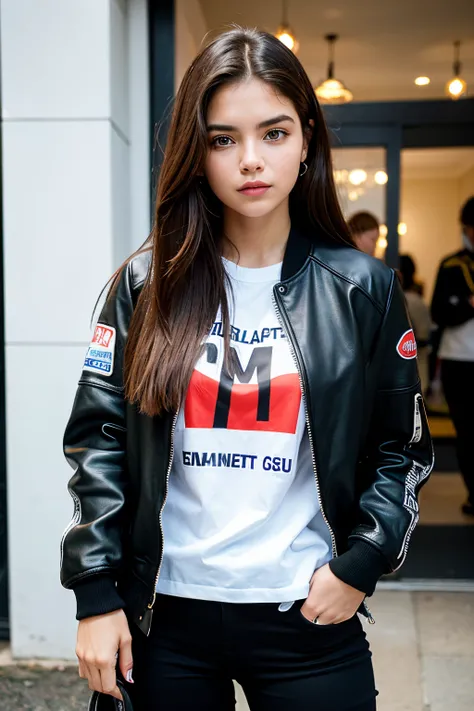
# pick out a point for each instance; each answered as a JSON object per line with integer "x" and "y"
{"x": 105, "y": 702}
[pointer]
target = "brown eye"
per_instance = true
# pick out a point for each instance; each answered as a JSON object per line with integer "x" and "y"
{"x": 222, "y": 141}
{"x": 275, "y": 134}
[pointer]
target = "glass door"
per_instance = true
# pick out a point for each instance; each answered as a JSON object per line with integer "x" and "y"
{"x": 426, "y": 150}
{"x": 435, "y": 182}
{"x": 361, "y": 180}
{"x": 367, "y": 173}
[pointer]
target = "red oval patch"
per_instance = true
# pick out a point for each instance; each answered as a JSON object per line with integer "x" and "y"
{"x": 406, "y": 347}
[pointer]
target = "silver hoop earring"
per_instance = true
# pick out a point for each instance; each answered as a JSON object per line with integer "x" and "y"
{"x": 305, "y": 168}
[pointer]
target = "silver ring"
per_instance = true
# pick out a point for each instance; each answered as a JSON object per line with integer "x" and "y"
{"x": 315, "y": 621}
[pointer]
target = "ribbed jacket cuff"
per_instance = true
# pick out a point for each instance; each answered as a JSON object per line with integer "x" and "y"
{"x": 96, "y": 595}
{"x": 361, "y": 566}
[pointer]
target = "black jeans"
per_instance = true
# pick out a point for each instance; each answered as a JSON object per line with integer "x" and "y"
{"x": 283, "y": 661}
{"x": 458, "y": 385}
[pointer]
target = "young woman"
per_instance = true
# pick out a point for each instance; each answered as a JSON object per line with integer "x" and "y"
{"x": 248, "y": 435}
{"x": 365, "y": 231}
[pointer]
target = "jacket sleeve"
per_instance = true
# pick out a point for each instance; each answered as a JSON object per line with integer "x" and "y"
{"x": 398, "y": 457}
{"x": 94, "y": 446}
{"x": 450, "y": 306}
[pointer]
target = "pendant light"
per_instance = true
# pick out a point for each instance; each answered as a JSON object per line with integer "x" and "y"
{"x": 285, "y": 33}
{"x": 332, "y": 91}
{"x": 456, "y": 87}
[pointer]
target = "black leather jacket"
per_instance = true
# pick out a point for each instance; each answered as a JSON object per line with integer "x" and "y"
{"x": 344, "y": 315}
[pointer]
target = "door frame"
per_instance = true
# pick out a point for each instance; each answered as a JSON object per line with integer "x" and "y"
{"x": 161, "y": 55}
{"x": 396, "y": 125}
{"x": 427, "y": 124}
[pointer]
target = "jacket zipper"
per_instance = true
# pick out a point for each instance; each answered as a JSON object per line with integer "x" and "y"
{"x": 76, "y": 518}
{"x": 308, "y": 424}
{"x": 170, "y": 464}
{"x": 369, "y": 614}
{"x": 310, "y": 437}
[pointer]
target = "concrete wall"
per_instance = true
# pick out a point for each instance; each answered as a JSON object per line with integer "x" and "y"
{"x": 72, "y": 151}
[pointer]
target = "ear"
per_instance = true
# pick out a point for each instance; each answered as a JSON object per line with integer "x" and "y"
{"x": 307, "y": 135}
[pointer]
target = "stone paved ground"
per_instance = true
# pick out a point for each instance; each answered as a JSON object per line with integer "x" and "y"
{"x": 33, "y": 688}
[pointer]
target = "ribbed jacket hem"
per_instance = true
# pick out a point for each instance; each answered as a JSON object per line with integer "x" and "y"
{"x": 360, "y": 567}
{"x": 96, "y": 595}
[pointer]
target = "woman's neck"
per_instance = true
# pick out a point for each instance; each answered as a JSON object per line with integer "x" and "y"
{"x": 256, "y": 241}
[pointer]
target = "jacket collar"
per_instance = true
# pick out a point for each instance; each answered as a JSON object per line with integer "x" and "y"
{"x": 298, "y": 249}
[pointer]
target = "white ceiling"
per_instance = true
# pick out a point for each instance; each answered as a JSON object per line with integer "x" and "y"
{"x": 449, "y": 163}
{"x": 382, "y": 46}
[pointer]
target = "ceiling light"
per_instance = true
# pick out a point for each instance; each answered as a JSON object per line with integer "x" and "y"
{"x": 381, "y": 177}
{"x": 286, "y": 36}
{"x": 382, "y": 243}
{"x": 332, "y": 91}
{"x": 353, "y": 195}
{"x": 402, "y": 229}
{"x": 357, "y": 177}
{"x": 456, "y": 87}
{"x": 422, "y": 81}
{"x": 383, "y": 230}
{"x": 285, "y": 33}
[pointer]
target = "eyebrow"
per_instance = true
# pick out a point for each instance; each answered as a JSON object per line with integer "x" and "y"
{"x": 263, "y": 124}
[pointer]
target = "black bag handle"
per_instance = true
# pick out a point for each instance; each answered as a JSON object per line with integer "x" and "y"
{"x": 105, "y": 702}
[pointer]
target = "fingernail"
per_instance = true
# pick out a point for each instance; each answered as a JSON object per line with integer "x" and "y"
{"x": 129, "y": 676}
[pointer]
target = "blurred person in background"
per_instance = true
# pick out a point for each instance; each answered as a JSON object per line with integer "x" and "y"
{"x": 365, "y": 230}
{"x": 248, "y": 437}
{"x": 452, "y": 309}
{"x": 419, "y": 316}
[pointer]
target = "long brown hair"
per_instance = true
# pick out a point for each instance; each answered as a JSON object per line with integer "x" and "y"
{"x": 186, "y": 281}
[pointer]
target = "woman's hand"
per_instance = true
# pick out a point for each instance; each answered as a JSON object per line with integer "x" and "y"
{"x": 329, "y": 599}
{"x": 98, "y": 641}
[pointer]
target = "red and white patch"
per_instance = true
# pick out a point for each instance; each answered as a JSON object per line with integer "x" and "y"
{"x": 103, "y": 335}
{"x": 406, "y": 347}
{"x": 101, "y": 352}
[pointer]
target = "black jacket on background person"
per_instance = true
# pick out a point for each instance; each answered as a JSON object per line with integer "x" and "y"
{"x": 344, "y": 315}
{"x": 454, "y": 285}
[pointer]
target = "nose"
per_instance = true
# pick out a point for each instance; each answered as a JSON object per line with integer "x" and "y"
{"x": 251, "y": 161}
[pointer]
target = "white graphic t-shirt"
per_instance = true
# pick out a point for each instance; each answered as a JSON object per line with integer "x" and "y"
{"x": 242, "y": 522}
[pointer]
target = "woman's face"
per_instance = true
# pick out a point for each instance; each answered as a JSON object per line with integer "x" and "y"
{"x": 367, "y": 241}
{"x": 254, "y": 134}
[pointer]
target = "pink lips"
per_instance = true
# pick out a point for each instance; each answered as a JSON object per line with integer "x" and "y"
{"x": 254, "y": 188}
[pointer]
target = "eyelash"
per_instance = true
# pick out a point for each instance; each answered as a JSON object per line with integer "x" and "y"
{"x": 215, "y": 140}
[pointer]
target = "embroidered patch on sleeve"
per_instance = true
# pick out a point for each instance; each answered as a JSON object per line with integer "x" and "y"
{"x": 100, "y": 356}
{"x": 406, "y": 347}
